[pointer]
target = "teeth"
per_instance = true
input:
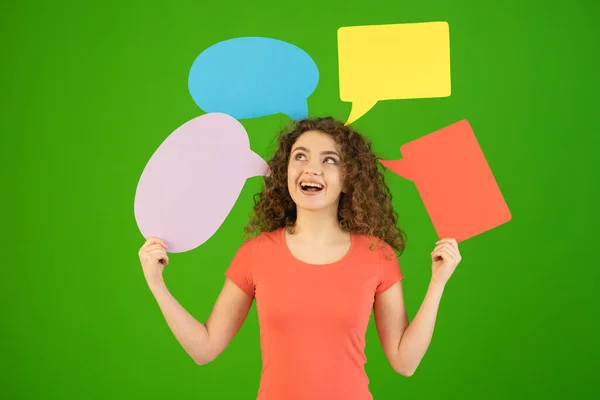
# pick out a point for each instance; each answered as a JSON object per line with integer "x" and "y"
{"x": 310, "y": 184}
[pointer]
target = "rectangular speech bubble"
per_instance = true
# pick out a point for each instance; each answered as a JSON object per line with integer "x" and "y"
{"x": 390, "y": 62}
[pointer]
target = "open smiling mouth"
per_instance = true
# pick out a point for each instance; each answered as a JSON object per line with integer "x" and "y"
{"x": 310, "y": 188}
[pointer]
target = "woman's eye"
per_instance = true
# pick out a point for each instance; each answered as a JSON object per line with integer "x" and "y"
{"x": 299, "y": 156}
{"x": 330, "y": 160}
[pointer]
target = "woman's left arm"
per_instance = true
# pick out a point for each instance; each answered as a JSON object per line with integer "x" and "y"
{"x": 405, "y": 344}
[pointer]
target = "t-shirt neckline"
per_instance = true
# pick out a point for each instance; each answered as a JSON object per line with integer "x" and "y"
{"x": 293, "y": 258}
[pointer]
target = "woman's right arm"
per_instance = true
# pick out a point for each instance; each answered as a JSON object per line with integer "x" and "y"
{"x": 202, "y": 342}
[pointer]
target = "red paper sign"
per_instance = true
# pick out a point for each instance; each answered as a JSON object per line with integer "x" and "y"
{"x": 454, "y": 180}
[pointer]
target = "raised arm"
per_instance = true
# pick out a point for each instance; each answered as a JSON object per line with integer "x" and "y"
{"x": 202, "y": 342}
{"x": 405, "y": 344}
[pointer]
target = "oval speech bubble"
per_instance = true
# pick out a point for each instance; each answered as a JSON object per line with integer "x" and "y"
{"x": 192, "y": 181}
{"x": 253, "y": 77}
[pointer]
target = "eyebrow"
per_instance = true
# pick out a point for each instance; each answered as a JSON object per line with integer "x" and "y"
{"x": 322, "y": 153}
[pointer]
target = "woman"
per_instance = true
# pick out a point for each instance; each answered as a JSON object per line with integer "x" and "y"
{"x": 322, "y": 255}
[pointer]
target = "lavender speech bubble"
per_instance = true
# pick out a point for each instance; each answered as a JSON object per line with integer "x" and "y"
{"x": 192, "y": 181}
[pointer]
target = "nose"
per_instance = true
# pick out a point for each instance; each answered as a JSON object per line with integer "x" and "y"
{"x": 313, "y": 168}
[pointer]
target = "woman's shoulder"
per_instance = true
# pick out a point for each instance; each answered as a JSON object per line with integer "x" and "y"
{"x": 373, "y": 245}
{"x": 272, "y": 238}
{"x": 263, "y": 243}
{"x": 370, "y": 241}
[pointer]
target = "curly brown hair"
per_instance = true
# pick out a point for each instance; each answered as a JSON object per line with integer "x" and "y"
{"x": 365, "y": 205}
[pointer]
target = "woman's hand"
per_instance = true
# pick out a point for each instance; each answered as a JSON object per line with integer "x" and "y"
{"x": 153, "y": 256}
{"x": 445, "y": 257}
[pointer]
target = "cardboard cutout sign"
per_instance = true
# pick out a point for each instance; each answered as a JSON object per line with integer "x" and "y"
{"x": 251, "y": 77}
{"x": 392, "y": 62}
{"x": 193, "y": 180}
{"x": 454, "y": 180}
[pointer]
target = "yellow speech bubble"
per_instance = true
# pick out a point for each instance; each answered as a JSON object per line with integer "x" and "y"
{"x": 391, "y": 62}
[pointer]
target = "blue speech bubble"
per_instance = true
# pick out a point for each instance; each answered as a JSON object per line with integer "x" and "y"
{"x": 253, "y": 77}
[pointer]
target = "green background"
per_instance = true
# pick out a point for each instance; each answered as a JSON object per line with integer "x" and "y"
{"x": 91, "y": 89}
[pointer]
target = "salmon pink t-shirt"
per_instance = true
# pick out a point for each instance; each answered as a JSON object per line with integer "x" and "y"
{"x": 313, "y": 318}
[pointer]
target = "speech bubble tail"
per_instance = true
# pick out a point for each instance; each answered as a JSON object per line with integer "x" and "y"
{"x": 359, "y": 109}
{"x": 297, "y": 110}
{"x": 399, "y": 167}
{"x": 255, "y": 165}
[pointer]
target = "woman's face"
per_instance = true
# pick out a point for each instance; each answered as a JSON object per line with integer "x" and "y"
{"x": 315, "y": 172}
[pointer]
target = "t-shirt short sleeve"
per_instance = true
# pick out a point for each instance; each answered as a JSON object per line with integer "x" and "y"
{"x": 389, "y": 272}
{"x": 240, "y": 270}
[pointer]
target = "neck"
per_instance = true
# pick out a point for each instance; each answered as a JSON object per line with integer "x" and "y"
{"x": 318, "y": 226}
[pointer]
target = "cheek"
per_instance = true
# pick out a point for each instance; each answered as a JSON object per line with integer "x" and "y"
{"x": 292, "y": 175}
{"x": 335, "y": 178}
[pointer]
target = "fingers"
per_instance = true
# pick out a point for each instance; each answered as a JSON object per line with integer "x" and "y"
{"x": 155, "y": 246}
{"x": 157, "y": 253}
{"x": 154, "y": 249}
{"x": 445, "y": 254}
{"x": 154, "y": 240}
{"x": 448, "y": 240}
{"x": 447, "y": 248}
{"x": 163, "y": 258}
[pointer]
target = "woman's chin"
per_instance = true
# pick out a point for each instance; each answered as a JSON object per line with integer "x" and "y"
{"x": 314, "y": 204}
